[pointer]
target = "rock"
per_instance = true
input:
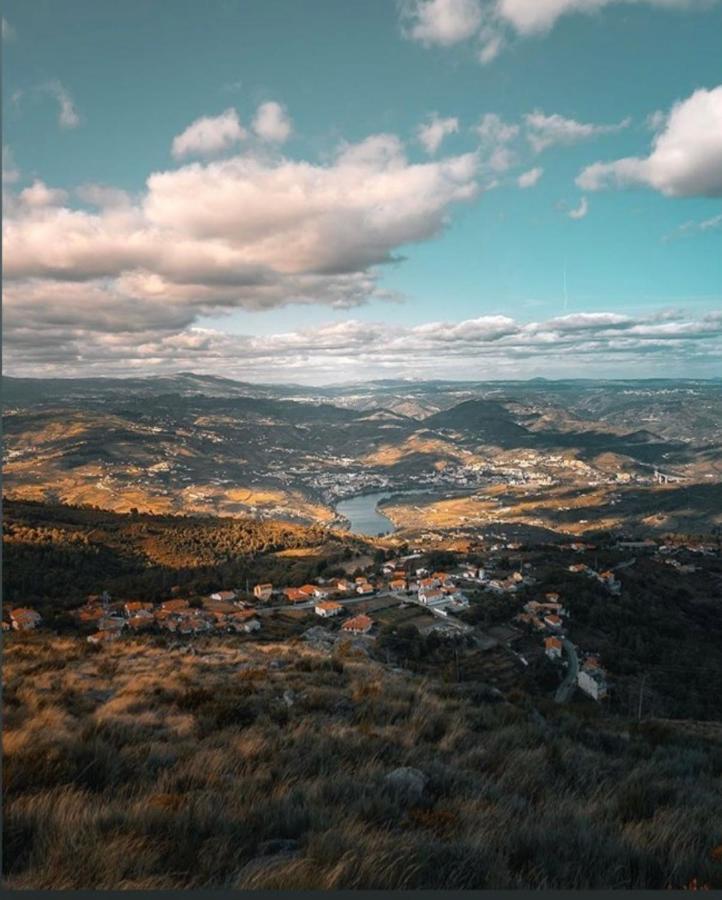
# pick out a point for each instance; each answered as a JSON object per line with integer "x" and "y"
{"x": 277, "y": 845}
{"x": 408, "y": 781}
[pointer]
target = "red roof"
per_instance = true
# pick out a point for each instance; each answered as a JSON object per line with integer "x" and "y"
{"x": 358, "y": 623}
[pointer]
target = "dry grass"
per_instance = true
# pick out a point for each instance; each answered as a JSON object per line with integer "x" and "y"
{"x": 264, "y": 767}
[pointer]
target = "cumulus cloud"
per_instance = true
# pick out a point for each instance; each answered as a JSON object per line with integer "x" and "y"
{"x": 530, "y": 178}
{"x": 272, "y": 123}
{"x": 251, "y": 232}
{"x": 579, "y": 212}
{"x": 432, "y": 133}
{"x": 441, "y": 22}
{"x": 209, "y": 135}
{"x": 686, "y": 155}
{"x": 486, "y": 346}
{"x": 448, "y": 22}
{"x": 39, "y": 195}
{"x": 545, "y": 131}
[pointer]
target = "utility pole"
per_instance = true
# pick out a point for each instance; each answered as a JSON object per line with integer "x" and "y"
{"x": 641, "y": 694}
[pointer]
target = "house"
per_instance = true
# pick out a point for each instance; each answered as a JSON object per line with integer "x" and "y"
{"x": 141, "y": 622}
{"x": 295, "y": 595}
{"x": 309, "y": 590}
{"x": 398, "y": 584}
{"x": 175, "y": 606}
{"x": 592, "y": 679}
{"x": 224, "y": 595}
{"x": 553, "y": 622}
{"x": 552, "y": 597}
{"x": 263, "y": 592}
{"x": 358, "y": 625}
{"x": 364, "y": 588}
{"x": 112, "y": 623}
{"x": 322, "y": 593}
{"x": 24, "y": 619}
{"x": 133, "y": 607}
{"x": 429, "y": 583}
{"x": 344, "y": 585}
{"x": 553, "y": 647}
{"x": 327, "y": 608}
{"x": 578, "y": 568}
{"x": 431, "y": 596}
{"x": 244, "y": 622}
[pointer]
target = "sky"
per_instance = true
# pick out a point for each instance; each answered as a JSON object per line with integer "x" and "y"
{"x": 323, "y": 191}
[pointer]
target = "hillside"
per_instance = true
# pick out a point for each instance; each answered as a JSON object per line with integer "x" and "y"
{"x": 239, "y": 766}
{"x": 55, "y": 555}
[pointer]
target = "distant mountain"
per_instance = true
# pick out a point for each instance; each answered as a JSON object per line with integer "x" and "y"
{"x": 486, "y": 420}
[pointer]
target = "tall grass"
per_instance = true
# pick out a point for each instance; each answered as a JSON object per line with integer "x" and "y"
{"x": 147, "y": 768}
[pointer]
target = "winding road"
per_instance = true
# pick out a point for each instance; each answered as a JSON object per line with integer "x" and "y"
{"x": 566, "y": 688}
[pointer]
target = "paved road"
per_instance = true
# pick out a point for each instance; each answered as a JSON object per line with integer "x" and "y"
{"x": 566, "y": 688}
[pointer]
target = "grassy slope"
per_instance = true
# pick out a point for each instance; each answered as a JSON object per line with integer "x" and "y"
{"x": 145, "y": 767}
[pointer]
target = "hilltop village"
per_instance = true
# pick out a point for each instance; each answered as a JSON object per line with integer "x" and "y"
{"x": 492, "y": 599}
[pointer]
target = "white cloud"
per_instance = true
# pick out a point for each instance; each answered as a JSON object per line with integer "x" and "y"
{"x": 534, "y": 16}
{"x": 449, "y": 22}
{"x": 67, "y": 114}
{"x": 686, "y": 156}
{"x": 713, "y": 223}
{"x": 580, "y": 211}
{"x": 8, "y": 32}
{"x": 251, "y": 232}
{"x": 492, "y": 43}
{"x": 545, "y": 131}
{"x": 432, "y": 133}
{"x": 39, "y": 195}
{"x": 441, "y": 22}
{"x": 209, "y": 135}
{"x": 530, "y": 178}
{"x": 272, "y": 123}
{"x": 492, "y": 129}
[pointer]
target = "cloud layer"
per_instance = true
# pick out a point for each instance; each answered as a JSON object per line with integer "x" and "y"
{"x": 489, "y": 347}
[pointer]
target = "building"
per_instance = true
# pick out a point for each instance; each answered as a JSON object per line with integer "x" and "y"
{"x": 224, "y": 595}
{"x": 398, "y": 584}
{"x": 553, "y": 647}
{"x": 327, "y": 608}
{"x": 358, "y": 625}
{"x": 592, "y": 679}
{"x": 295, "y": 595}
{"x": 263, "y": 592}
{"x": 364, "y": 588}
{"x": 431, "y": 596}
{"x": 553, "y": 622}
{"x": 178, "y": 605}
{"x": 134, "y": 607}
{"x": 24, "y": 619}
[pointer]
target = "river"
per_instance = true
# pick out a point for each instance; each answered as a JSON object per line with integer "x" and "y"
{"x": 363, "y": 516}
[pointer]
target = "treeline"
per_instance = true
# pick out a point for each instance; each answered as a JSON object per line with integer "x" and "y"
{"x": 55, "y": 555}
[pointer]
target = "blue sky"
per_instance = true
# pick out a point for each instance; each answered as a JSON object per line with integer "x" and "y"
{"x": 94, "y": 94}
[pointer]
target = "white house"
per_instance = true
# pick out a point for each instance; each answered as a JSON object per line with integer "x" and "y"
{"x": 328, "y": 608}
{"x": 592, "y": 680}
